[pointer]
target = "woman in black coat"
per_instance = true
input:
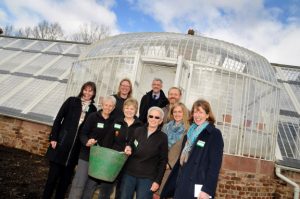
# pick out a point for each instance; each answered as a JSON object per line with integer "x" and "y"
{"x": 195, "y": 175}
{"x": 64, "y": 146}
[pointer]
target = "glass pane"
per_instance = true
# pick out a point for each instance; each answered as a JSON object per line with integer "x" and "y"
{"x": 59, "y": 67}
{"x": 37, "y": 64}
{"x": 16, "y": 61}
{"x": 21, "y": 43}
{"x": 26, "y": 95}
{"x": 40, "y": 45}
{"x": 50, "y": 104}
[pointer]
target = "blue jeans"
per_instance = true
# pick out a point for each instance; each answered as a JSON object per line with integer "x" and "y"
{"x": 142, "y": 186}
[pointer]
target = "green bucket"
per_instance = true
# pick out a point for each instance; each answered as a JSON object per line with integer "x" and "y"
{"x": 105, "y": 164}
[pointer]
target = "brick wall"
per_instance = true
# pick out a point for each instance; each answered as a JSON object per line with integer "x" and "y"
{"x": 249, "y": 178}
{"x": 29, "y": 136}
{"x": 240, "y": 177}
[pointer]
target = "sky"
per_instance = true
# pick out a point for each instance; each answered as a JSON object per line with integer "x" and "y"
{"x": 270, "y": 28}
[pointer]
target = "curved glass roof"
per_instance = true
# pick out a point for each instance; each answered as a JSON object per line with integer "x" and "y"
{"x": 33, "y": 76}
{"x": 200, "y": 49}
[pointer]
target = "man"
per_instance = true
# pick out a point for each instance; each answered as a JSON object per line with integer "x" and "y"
{"x": 155, "y": 97}
{"x": 174, "y": 96}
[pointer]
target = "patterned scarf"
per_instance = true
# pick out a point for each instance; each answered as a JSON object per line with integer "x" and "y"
{"x": 85, "y": 108}
{"x": 192, "y": 135}
{"x": 173, "y": 131}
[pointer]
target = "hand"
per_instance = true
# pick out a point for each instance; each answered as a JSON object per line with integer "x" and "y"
{"x": 154, "y": 187}
{"x": 128, "y": 150}
{"x": 203, "y": 195}
{"x": 91, "y": 142}
{"x": 168, "y": 167}
{"x": 53, "y": 144}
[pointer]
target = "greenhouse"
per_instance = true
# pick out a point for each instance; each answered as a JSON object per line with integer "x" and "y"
{"x": 241, "y": 85}
{"x": 256, "y": 104}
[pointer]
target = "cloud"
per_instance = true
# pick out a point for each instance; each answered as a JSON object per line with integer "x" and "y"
{"x": 70, "y": 14}
{"x": 269, "y": 31}
{"x": 2, "y": 15}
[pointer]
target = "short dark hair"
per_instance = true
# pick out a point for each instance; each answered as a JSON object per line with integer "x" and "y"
{"x": 88, "y": 84}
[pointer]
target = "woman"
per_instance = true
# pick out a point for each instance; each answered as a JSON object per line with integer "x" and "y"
{"x": 64, "y": 146}
{"x": 201, "y": 157}
{"x": 146, "y": 166}
{"x": 124, "y": 92}
{"x": 175, "y": 130}
{"x": 95, "y": 130}
{"x": 124, "y": 129}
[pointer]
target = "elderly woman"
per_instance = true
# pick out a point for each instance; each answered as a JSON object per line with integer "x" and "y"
{"x": 201, "y": 157}
{"x": 64, "y": 146}
{"x": 146, "y": 165}
{"x": 97, "y": 127}
{"x": 123, "y": 132}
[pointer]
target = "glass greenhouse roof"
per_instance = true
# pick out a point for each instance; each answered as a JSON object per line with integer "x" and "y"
{"x": 210, "y": 52}
{"x": 33, "y": 76}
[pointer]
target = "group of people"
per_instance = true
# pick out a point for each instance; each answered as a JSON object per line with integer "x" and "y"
{"x": 171, "y": 152}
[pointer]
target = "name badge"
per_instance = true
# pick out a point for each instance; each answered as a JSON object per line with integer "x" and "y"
{"x": 200, "y": 143}
{"x": 117, "y": 126}
{"x": 100, "y": 125}
{"x": 136, "y": 143}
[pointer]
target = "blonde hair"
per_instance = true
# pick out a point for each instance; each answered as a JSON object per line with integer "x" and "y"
{"x": 185, "y": 118}
{"x": 119, "y": 89}
{"x": 133, "y": 102}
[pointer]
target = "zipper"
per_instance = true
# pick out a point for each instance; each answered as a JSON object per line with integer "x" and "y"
{"x": 72, "y": 147}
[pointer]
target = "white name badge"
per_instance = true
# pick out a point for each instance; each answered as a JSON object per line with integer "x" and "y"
{"x": 200, "y": 143}
{"x": 136, "y": 143}
{"x": 117, "y": 126}
{"x": 100, "y": 125}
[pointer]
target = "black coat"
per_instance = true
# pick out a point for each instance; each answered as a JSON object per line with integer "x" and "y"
{"x": 149, "y": 156}
{"x": 123, "y": 133}
{"x": 117, "y": 113}
{"x": 146, "y": 104}
{"x": 202, "y": 167}
{"x": 65, "y": 132}
{"x": 98, "y": 128}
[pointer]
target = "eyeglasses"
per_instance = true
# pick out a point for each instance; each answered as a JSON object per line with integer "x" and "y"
{"x": 156, "y": 117}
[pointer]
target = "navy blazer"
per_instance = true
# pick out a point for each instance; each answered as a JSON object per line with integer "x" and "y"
{"x": 202, "y": 167}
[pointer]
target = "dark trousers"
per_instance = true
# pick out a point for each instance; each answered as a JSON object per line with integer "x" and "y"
{"x": 59, "y": 177}
{"x": 92, "y": 184}
{"x": 141, "y": 186}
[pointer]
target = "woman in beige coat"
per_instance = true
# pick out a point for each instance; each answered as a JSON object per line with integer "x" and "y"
{"x": 175, "y": 130}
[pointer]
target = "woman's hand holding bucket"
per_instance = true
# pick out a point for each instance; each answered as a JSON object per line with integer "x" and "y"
{"x": 128, "y": 150}
{"x": 91, "y": 142}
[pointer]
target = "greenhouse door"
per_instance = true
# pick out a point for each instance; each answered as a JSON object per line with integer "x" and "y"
{"x": 183, "y": 77}
{"x": 150, "y": 69}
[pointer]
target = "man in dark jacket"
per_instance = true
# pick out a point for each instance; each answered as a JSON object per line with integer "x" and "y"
{"x": 155, "y": 97}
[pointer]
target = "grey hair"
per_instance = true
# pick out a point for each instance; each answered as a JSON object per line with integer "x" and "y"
{"x": 156, "y": 108}
{"x": 157, "y": 79}
{"x": 109, "y": 98}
